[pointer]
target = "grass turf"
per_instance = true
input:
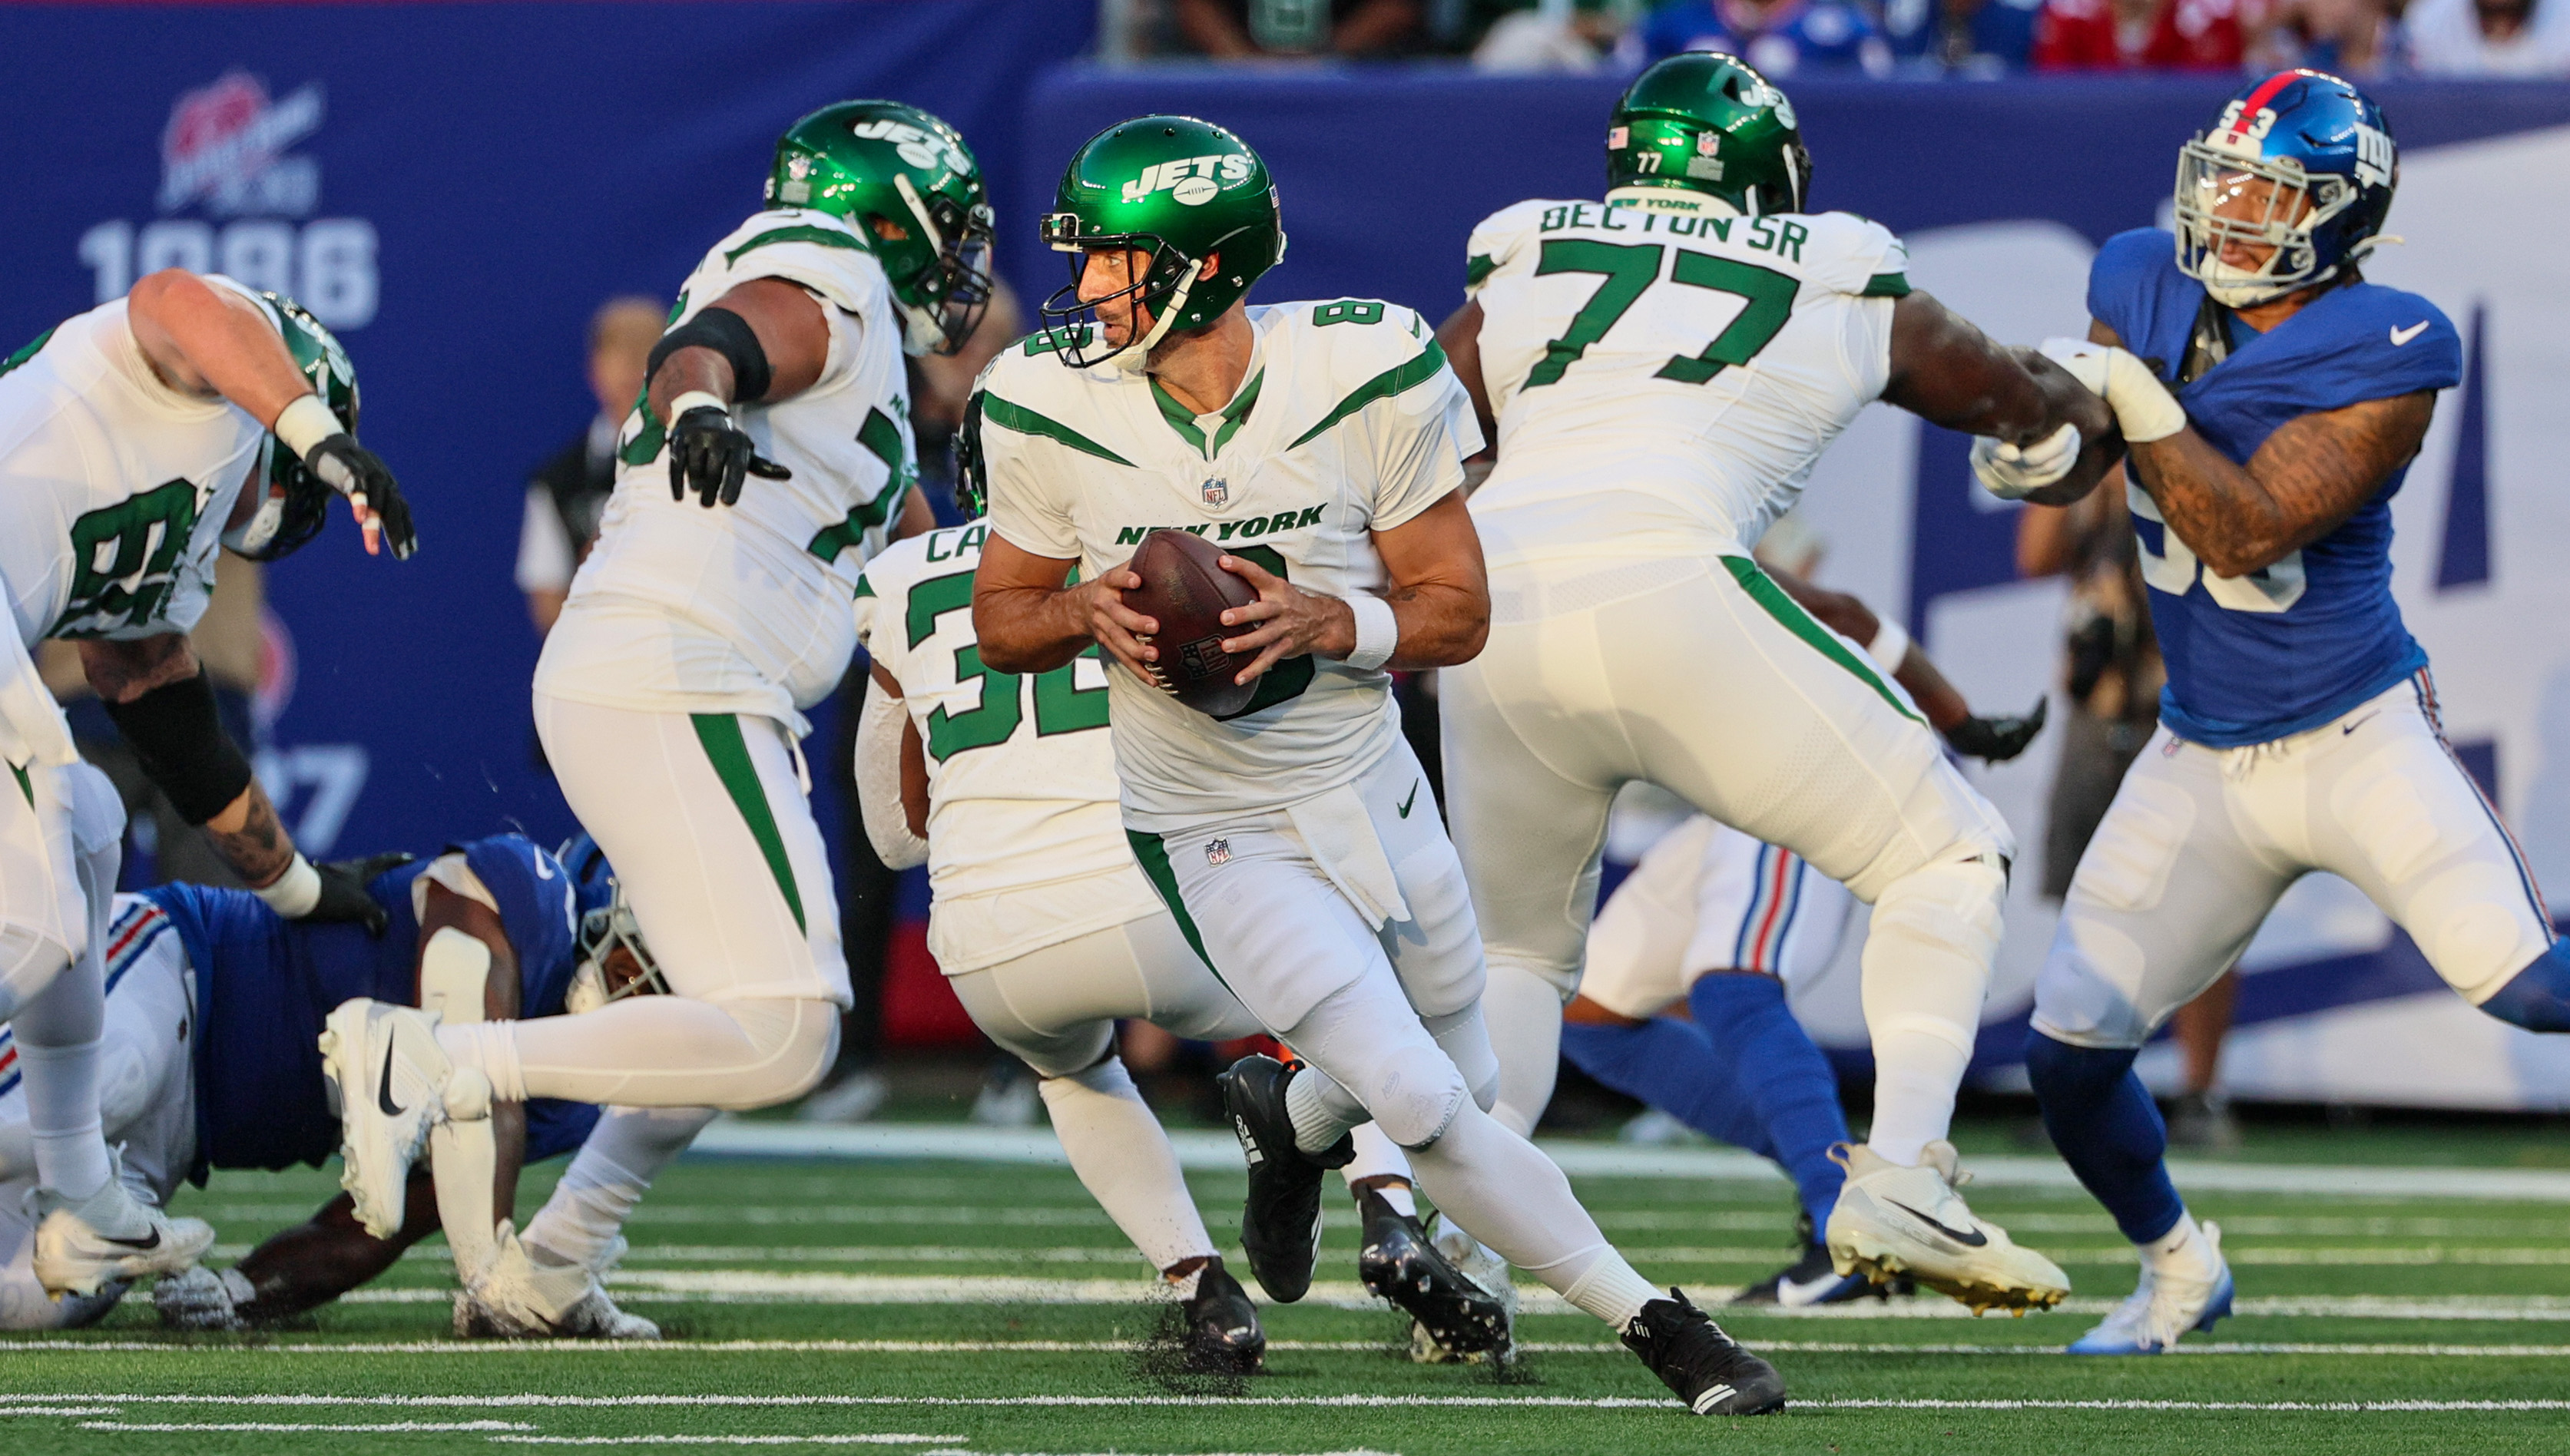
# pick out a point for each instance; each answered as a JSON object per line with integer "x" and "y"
{"x": 918, "y": 1306}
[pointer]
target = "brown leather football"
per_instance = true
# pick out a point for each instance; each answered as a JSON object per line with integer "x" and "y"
{"x": 1187, "y": 594}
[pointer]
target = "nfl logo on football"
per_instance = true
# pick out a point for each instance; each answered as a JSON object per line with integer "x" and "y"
{"x": 1217, "y": 852}
{"x": 1215, "y": 492}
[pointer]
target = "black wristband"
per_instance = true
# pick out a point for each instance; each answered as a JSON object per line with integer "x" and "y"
{"x": 178, "y": 738}
{"x": 728, "y": 334}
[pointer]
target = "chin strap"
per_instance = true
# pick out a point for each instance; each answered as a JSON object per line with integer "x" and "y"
{"x": 1135, "y": 356}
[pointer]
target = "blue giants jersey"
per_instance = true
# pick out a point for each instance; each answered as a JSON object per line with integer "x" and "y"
{"x": 2293, "y": 646}
{"x": 265, "y": 984}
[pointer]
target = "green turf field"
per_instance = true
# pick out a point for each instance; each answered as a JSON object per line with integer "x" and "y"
{"x": 917, "y": 1305}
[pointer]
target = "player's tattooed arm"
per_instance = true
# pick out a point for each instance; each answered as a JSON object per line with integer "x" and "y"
{"x": 1950, "y": 373}
{"x": 246, "y": 830}
{"x": 2309, "y": 475}
{"x": 1027, "y": 620}
{"x": 1440, "y": 594}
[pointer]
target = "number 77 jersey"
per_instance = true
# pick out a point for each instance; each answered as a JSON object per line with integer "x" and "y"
{"x": 1021, "y": 772}
{"x": 1664, "y": 378}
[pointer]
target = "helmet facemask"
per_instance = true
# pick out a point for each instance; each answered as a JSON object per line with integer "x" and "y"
{"x": 295, "y": 504}
{"x": 1073, "y": 324}
{"x": 943, "y": 302}
{"x": 602, "y": 932}
{"x": 2229, "y": 197}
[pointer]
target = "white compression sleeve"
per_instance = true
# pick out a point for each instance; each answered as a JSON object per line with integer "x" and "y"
{"x": 656, "y": 1051}
{"x": 1925, "y": 973}
{"x": 879, "y": 730}
{"x": 1125, "y": 1160}
{"x": 1524, "y": 1013}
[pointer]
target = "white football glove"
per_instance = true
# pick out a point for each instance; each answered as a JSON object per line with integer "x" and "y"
{"x": 2143, "y": 407}
{"x": 2011, "y": 471}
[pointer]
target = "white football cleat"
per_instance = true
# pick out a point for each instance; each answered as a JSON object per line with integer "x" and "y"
{"x": 2164, "y": 1308}
{"x": 392, "y": 1083}
{"x": 1894, "y": 1220}
{"x": 203, "y": 1298}
{"x": 523, "y": 1297}
{"x": 110, "y": 1236}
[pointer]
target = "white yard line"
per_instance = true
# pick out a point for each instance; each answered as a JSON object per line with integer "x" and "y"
{"x": 1218, "y": 1152}
{"x": 1349, "y": 1401}
{"x": 369, "y": 1427}
{"x": 894, "y": 1438}
{"x": 1118, "y": 1346}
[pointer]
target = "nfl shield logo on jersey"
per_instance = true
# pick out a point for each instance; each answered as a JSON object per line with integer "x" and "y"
{"x": 1217, "y": 852}
{"x": 1215, "y": 492}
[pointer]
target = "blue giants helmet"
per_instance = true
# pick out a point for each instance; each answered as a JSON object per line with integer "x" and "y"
{"x": 2301, "y": 163}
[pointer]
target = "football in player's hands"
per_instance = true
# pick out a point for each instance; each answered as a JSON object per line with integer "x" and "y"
{"x": 1185, "y": 589}
{"x": 2000, "y": 737}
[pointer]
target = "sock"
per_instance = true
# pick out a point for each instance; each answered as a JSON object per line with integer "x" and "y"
{"x": 2108, "y": 1130}
{"x": 1498, "y": 1185}
{"x": 488, "y": 1047}
{"x": 1125, "y": 1160}
{"x": 613, "y": 1168}
{"x": 1669, "y": 1064}
{"x": 1787, "y": 1083}
{"x": 1524, "y": 1013}
{"x": 1323, "y": 1111}
{"x": 57, "y": 1030}
{"x": 2183, "y": 1250}
{"x": 62, "y": 1118}
{"x": 1378, "y": 1157}
{"x": 1927, "y": 970}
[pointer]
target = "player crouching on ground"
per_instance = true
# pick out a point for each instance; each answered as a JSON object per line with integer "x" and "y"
{"x": 2274, "y": 400}
{"x": 671, "y": 692}
{"x": 1322, "y": 445}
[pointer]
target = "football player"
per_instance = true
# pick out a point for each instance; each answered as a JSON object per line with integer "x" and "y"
{"x": 769, "y": 457}
{"x": 1725, "y": 925}
{"x": 1321, "y": 445}
{"x": 2272, "y": 400}
{"x": 213, "y": 1003}
{"x": 136, "y": 438}
{"x": 1665, "y": 367}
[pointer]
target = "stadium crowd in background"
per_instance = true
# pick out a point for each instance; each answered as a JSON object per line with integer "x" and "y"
{"x": 1968, "y": 39}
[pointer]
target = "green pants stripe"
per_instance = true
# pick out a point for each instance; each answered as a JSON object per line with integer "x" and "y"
{"x": 720, "y": 735}
{"x": 1155, "y": 857}
{"x": 1763, "y": 590}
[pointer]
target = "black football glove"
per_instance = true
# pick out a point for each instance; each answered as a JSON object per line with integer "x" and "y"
{"x": 343, "y": 891}
{"x": 712, "y": 456}
{"x": 353, "y": 471}
{"x": 2000, "y": 738}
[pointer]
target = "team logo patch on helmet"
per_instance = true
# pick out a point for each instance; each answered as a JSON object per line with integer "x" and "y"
{"x": 1215, "y": 492}
{"x": 1217, "y": 852}
{"x": 1191, "y": 181}
{"x": 918, "y": 148}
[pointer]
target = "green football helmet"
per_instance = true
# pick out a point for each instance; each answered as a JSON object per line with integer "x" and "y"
{"x": 1706, "y": 123}
{"x": 297, "y": 502}
{"x": 912, "y": 188}
{"x": 1176, "y": 189}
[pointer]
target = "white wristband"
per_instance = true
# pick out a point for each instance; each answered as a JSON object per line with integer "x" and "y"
{"x": 696, "y": 399}
{"x": 1891, "y": 643}
{"x": 295, "y": 893}
{"x": 1377, "y": 631}
{"x": 305, "y": 422}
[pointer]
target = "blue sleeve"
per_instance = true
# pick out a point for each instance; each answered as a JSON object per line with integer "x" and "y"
{"x": 2403, "y": 344}
{"x": 2121, "y": 283}
{"x": 538, "y": 910}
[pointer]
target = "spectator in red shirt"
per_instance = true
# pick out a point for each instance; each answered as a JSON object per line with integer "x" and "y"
{"x": 2122, "y": 35}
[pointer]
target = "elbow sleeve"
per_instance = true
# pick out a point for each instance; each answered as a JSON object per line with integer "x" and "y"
{"x": 879, "y": 731}
{"x": 178, "y": 737}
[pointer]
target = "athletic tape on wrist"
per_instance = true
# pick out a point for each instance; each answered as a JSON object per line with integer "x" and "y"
{"x": 1891, "y": 643}
{"x": 305, "y": 421}
{"x": 696, "y": 399}
{"x": 295, "y": 893}
{"x": 1377, "y": 631}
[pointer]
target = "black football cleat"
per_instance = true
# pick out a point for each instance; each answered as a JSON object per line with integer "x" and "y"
{"x": 1709, "y": 1370}
{"x": 1811, "y": 1279}
{"x": 1398, "y": 1263}
{"x": 1223, "y": 1331}
{"x": 1280, "y": 1221}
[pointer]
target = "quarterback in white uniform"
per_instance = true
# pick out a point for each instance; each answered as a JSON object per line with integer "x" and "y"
{"x": 1322, "y": 445}
{"x": 1664, "y": 368}
{"x": 669, "y": 695}
{"x": 135, "y": 438}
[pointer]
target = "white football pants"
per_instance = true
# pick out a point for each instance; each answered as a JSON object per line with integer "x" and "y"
{"x": 2201, "y": 842}
{"x": 1708, "y": 898}
{"x": 1706, "y": 680}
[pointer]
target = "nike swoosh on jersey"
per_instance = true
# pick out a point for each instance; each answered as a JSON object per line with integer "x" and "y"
{"x": 384, "y": 1093}
{"x": 1412, "y": 799}
{"x": 1973, "y": 1239}
{"x": 2401, "y": 336}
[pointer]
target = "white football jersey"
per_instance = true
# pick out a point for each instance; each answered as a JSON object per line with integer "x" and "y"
{"x": 744, "y": 608}
{"x": 1665, "y": 379}
{"x": 1025, "y": 845}
{"x": 113, "y": 487}
{"x": 1349, "y": 423}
